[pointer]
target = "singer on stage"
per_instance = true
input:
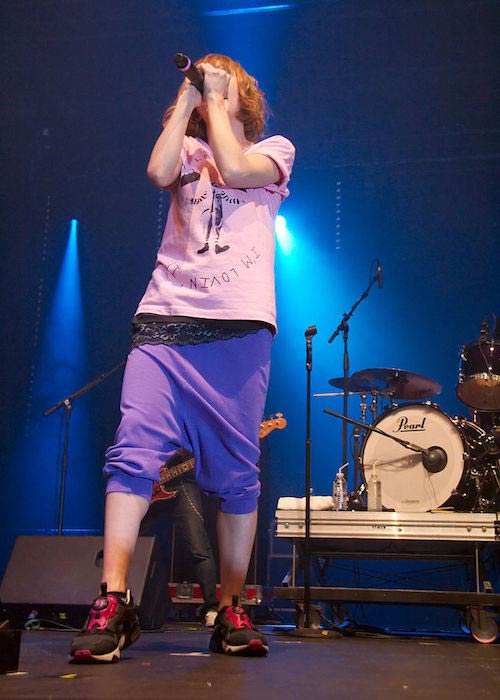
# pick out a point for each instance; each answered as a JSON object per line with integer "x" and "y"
{"x": 197, "y": 374}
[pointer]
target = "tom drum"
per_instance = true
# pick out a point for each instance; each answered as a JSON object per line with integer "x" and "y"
{"x": 479, "y": 375}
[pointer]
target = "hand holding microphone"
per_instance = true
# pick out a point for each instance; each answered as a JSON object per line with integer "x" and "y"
{"x": 216, "y": 79}
{"x": 191, "y": 72}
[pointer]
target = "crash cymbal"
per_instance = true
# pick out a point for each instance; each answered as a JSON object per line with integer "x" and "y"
{"x": 396, "y": 383}
{"x": 353, "y": 386}
{"x": 341, "y": 393}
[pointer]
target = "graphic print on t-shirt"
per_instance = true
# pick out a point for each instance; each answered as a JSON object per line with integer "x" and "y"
{"x": 213, "y": 217}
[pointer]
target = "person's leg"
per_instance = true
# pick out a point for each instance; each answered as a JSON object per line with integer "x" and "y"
{"x": 234, "y": 633}
{"x": 123, "y": 515}
{"x": 224, "y": 436}
{"x": 113, "y": 624}
{"x": 191, "y": 530}
{"x": 235, "y": 535}
{"x": 146, "y": 437}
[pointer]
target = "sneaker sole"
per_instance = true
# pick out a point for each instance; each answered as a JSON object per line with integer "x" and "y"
{"x": 85, "y": 656}
{"x": 255, "y": 647}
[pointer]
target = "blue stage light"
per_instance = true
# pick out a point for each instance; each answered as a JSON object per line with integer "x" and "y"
{"x": 61, "y": 369}
{"x": 285, "y": 239}
{"x": 248, "y": 10}
{"x": 65, "y": 341}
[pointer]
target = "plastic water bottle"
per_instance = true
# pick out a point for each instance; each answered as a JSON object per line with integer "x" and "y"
{"x": 374, "y": 492}
{"x": 340, "y": 490}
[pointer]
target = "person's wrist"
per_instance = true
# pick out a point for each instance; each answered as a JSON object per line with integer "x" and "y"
{"x": 215, "y": 98}
{"x": 186, "y": 104}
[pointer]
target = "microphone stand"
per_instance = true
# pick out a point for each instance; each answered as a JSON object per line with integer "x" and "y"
{"x": 343, "y": 328}
{"x": 66, "y": 403}
{"x": 307, "y": 631}
{"x": 434, "y": 458}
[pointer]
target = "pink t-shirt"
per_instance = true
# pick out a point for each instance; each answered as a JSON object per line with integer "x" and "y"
{"x": 216, "y": 258}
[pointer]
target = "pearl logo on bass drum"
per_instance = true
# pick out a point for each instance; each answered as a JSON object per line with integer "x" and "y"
{"x": 404, "y": 425}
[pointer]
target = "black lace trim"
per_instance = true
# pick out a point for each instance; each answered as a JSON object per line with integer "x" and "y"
{"x": 188, "y": 332}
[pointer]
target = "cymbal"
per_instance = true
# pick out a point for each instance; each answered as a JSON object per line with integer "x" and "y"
{"x": 353, "y": 386}
{"x": 396, "y": 383}
{"x": 341, "y": 393}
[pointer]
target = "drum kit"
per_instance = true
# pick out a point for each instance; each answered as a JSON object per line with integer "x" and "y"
{"x": 425, "y": 459}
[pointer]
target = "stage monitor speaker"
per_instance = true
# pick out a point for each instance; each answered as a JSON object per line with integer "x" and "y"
{"x": 54, "y": 579}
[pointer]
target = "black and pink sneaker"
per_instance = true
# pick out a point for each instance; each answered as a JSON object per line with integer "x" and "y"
{"x": 235, "y": 634}
{"x": 112, "y": 625}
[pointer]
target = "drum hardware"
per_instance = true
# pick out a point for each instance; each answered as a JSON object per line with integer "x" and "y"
{"x": 355, "y": 499}
{"x": 478, "y": 491}
{"x": 479, "y": 486}
{"x": 488, "y": 420}
{"x": 356, "y": 434}
{"x": 492, "y": 443}
{"x": 484, "y": 444}
{"x": 362, "y": 408}
{"x": 479, "y": 370}
{"x": 363, "y": 405}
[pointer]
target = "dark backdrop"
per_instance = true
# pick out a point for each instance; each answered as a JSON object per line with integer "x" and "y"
{"x": 392, "y": 107}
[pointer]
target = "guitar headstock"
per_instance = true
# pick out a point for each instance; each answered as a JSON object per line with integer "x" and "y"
{"x": 274, "y": 422}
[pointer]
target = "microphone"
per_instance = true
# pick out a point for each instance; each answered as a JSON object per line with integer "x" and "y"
{"x": 191, "y": 72}
{"x": 379, "y": 275}
{"x": 434, "y": 459}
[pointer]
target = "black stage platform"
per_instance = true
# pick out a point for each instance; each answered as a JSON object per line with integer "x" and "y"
{"x": 175, "y": 663}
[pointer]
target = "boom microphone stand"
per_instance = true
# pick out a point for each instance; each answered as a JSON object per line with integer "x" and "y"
{"x": 343, "y": 328}
{"x": 67, "y": 404}
{"x": 434, "y": 458}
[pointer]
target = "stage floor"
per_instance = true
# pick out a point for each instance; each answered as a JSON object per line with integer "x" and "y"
{"x": 175, "y": 663}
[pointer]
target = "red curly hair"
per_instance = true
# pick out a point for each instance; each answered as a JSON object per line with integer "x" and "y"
{"x": 253, "y": 106}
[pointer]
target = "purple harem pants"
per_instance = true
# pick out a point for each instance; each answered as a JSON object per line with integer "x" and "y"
{"x": 207, "y": 398}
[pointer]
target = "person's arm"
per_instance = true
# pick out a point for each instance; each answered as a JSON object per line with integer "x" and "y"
{"x": 164, "y": 163}
{"x": 237, "y": 168}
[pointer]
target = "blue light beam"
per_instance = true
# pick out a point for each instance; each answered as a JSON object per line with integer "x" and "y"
{"x": 248, "y": 10}
{"x": 65, "y": 349}
{"x": 285, "y": 239}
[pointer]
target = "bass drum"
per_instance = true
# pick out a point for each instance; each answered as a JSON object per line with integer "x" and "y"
{"x": 407, "y": 486}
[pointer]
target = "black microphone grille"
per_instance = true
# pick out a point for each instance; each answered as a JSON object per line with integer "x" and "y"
{"x": 180, "y": 60}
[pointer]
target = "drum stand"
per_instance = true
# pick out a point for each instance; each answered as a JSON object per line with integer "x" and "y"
{"x": 481, "y": 504}
{"x": 356, "y": 455}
